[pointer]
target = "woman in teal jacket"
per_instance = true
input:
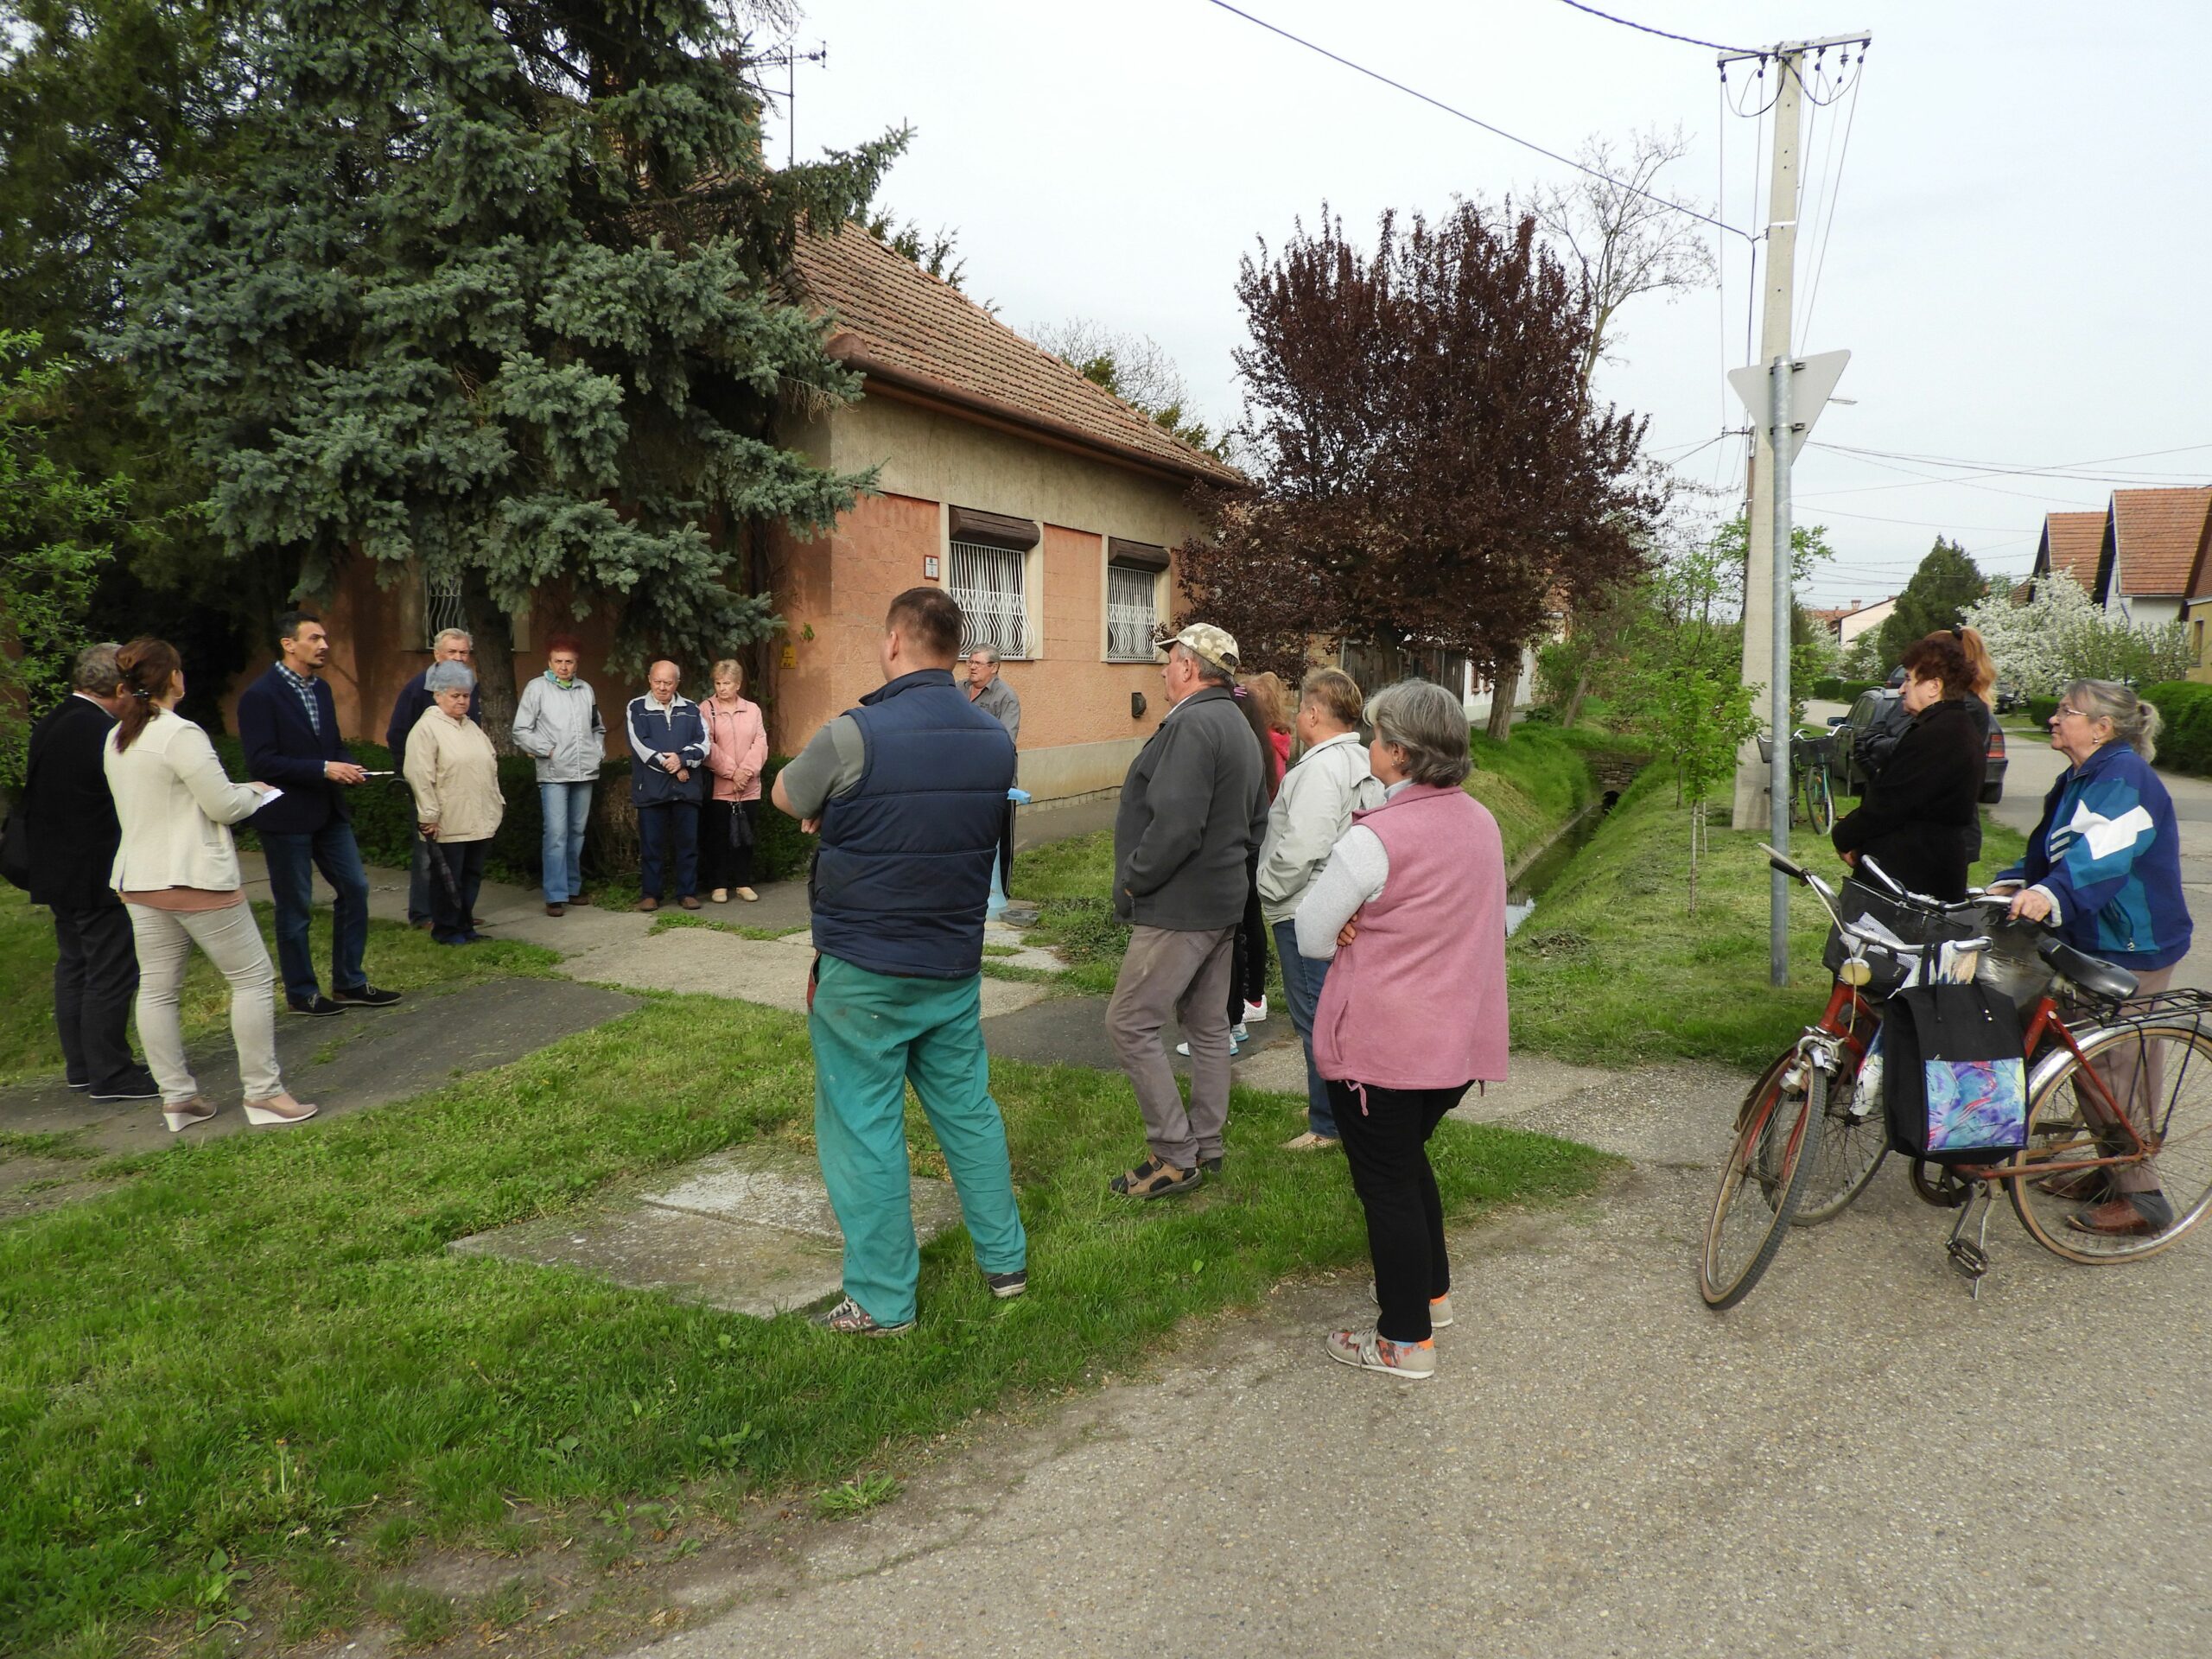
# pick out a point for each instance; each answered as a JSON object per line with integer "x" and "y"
{"x": 2104, "y": 868}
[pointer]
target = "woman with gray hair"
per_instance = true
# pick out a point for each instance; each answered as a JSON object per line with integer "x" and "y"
{"x": 2103, "y": 868}
{"x": 1410, "y": 914}
{"x": 455, "y": 774}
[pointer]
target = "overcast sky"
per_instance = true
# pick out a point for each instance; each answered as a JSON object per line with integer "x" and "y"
{"x": 2018, "y": 260}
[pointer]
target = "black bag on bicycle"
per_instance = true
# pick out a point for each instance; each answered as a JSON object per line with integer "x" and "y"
{"x": 1954, "y": 1085}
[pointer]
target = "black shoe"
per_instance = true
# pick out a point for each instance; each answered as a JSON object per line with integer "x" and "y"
{"x": 73, "y": 1083}
{"x": 1211, "y": 1165}
{"x": 366, "y": 996}
{"x": 142, "y": 1087}
{"x": 1004, "y": 1286}
{"x": 321, "y": 1006}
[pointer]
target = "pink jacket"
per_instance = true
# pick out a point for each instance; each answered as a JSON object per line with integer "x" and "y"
{"x": 1417, "y": 1000}
{"x": 737, "y": 747}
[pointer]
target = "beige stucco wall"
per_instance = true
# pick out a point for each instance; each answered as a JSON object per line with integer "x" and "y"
{"x": 1078, "y": 730}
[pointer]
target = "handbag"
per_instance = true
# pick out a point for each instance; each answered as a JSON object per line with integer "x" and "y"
{"x": 740, "y": 826}
{"x": 1954, "y": 1082}
{"x": 16, "y": 848}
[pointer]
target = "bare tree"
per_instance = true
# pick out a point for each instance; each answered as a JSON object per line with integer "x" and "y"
{"x": 1135, "y": 368}
{"x": 1624, "y": 243}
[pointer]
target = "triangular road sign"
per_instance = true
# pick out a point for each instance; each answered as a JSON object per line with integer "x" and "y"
{"x": 1809, "y": 393}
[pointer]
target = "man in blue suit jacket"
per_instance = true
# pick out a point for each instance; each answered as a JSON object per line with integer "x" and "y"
{"x": 287, "y": 721}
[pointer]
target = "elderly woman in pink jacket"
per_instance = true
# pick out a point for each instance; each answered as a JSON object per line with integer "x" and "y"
{"x": 737, "y": 747}
{"x": 1409, "y": 911}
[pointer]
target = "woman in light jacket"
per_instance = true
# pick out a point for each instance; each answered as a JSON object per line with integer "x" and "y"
{"x": 737, "y": 748}
{"x": 1409, "y": 911}
{"x": 177, "y": 871}
{"x": 455, "y": 777}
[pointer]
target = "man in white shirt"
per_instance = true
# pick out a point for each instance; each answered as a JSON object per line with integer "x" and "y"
{"x": 1311, "y": 813}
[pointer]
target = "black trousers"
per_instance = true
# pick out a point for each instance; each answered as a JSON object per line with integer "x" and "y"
{"x": 1247, "y": 959}
{"x": 721, "y": 864}
{"x": 95, "y": 977}
{"x": 453, "y": 903}
{"x": 1006, "y": 853}
{"x": 1386, "y": 1144}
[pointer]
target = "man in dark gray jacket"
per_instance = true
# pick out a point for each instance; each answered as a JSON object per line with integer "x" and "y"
{"x": 1193, "y": 808}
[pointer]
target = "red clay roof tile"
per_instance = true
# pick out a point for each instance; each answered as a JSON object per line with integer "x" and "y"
{"x": 896, "y": 323}
{"x": 2073, "y": 542}
{"x": 2157, "y": 533}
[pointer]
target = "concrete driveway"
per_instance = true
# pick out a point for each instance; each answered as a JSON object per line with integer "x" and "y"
{"x": 1859, "y": 1461}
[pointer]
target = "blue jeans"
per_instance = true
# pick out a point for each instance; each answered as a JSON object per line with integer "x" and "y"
{"x": 1302, "y": 978}
{"x": 566, "y": 809}
{"x": 675, "y": 822}
{"x": 292, "y": 861}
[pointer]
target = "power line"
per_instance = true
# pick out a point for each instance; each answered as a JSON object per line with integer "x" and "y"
{"x": 1834, "y": 188}
{"x": 1473, "y": 120}
{"x": 2065, "y": 469}
{"x": 1646, "y": 29}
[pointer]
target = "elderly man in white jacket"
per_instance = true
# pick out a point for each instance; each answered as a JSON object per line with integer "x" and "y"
{"x": 1311, "y": 811}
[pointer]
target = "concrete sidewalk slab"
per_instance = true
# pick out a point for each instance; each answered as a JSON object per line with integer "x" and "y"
{"x": 749, "y": 1230}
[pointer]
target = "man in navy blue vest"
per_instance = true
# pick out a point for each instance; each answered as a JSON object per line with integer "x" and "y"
{"x": 908, "y": 792}
{"x": 288, "y": 722}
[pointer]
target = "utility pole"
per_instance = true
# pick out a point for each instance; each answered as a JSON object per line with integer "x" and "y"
{"x": 1781, "y": 413}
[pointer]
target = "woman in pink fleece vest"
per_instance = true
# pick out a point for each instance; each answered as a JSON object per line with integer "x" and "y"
{"x": 1410, "y": 913}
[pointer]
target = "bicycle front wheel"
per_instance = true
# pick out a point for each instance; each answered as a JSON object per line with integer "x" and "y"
{"x": 1761, "y": 1186}
{"x": 1820, "y": 800}
{"x": 2159, "y": 1072}
{"x": 1847, "y": 1150}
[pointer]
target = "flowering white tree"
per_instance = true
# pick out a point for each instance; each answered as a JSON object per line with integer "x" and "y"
{"x": 2062, "y": 634}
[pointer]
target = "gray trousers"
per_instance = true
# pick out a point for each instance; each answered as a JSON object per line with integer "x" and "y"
{"x": 1185, "y": 974}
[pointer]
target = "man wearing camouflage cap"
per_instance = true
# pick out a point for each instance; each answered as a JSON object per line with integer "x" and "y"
{"x": 1193, "y": 808}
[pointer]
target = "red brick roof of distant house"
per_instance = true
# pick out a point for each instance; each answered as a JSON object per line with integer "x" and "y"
{"x": 2156, "y": 537}
{"x": 1832, "y": 617}
{"x": 906, "y": 330}
{"x": 2073, "y": 543}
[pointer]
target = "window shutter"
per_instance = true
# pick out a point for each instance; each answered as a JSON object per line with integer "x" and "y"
{"x": 973, "y": 525}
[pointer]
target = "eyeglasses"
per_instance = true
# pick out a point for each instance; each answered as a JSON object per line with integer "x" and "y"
{"x": 2067, "y": 711}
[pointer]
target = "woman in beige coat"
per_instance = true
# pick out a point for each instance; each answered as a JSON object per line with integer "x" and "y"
{"x": 454, "y": 774}
{"x": 177, "y": 871}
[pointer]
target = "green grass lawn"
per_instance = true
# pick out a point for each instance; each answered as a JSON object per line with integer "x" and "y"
{"x": 252, "y": 1378}
{"x": 1612, "y": 969}
{"x": 398, "y": 958}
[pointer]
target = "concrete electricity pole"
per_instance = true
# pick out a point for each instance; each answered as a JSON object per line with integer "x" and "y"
{"x": 1782, "y": 412}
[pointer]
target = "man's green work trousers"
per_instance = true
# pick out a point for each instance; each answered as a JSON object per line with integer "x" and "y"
{"x": 872, "y": 1034}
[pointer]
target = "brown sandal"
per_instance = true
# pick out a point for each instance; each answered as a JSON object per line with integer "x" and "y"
{"x": 1155, "y": 1178}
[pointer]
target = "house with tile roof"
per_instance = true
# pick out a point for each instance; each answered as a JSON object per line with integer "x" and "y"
{"x": 1047, "y": 506}
{"x": 2073, "y": 543}
{"x": 2151, "y": 546}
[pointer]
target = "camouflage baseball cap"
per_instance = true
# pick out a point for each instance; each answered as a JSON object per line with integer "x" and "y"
{"x": 1212, "y": 645}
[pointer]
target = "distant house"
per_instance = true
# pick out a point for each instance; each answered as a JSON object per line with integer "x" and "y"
{"x": 2073, "y": 543}
{"x": 1830, "y": 618}
{"x": 1047, "y": 506}
{"x": 1862, "y": 619}
{"x": 2151, "y": 548}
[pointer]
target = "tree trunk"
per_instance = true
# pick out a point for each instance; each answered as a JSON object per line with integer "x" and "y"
{"x": 1574, "y": 709}
{"x": 1504, "y": 687}
{"x": 493, "y": 634}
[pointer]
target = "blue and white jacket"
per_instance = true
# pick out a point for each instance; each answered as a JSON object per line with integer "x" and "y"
{"x": 2108, "y": 853}
{"x": 654, "y": 731}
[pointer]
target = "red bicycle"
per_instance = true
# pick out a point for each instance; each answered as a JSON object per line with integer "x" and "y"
{"x": 2120, "y": 1104}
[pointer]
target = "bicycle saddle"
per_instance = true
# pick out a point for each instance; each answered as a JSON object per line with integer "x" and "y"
{"x": 2097, "y": 977}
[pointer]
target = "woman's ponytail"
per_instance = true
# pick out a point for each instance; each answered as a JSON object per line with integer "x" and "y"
{"x": 147, "y": 666}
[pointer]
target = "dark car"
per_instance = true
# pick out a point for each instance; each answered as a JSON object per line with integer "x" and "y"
{"x": 1871, "y": 729}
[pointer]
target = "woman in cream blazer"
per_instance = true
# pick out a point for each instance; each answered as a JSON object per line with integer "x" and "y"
{"x": 177, "y": 871}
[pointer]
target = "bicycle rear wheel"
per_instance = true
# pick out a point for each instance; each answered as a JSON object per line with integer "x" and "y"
{"x": 2165, "y": 1065}
{"x": 1847, "y": 1150}
{"x": 1761, "y": 1186}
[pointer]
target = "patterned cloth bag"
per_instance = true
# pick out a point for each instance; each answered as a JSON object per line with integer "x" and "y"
{"x": 1954, "y": 1082}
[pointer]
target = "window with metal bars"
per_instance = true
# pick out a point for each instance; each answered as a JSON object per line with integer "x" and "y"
{"x": 442, "y": 607}
{"x": 989, "y": 584}
{"x": 1132, "y": 613}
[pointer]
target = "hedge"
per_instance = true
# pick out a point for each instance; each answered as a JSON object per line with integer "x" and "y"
{"x": 2186, "y": 744}
{"x": 1829, "y": 689}
{"x": 2040, "y": 710}
{"x": 384, "y": 814}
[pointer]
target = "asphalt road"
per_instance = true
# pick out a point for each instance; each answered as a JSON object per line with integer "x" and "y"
{"x": 1857, "y": 1460}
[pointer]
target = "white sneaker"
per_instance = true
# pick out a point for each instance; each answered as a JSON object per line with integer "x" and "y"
{"x": 1238, "y": 1034}
{"x": 1237, "y": 1040}
{"x": 1255, "y": 1011}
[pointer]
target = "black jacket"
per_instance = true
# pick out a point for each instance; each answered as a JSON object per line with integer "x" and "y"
{"x": 414, "y": 698}
{"x": 1921, "y": 819}
{"x": 67, "y": 812}
{"x": 284, "y": 749}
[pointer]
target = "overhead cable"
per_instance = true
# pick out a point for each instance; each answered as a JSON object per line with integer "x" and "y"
{"x": 1646, "y": 29}
{"x": 1474, "y": 120}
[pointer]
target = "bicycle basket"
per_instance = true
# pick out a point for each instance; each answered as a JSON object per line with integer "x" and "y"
{"x": 1865, "y": 905}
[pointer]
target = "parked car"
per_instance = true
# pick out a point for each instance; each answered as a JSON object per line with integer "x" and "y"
{"x": 2006, "y": 697}
{"x": 1871, "y": 729}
